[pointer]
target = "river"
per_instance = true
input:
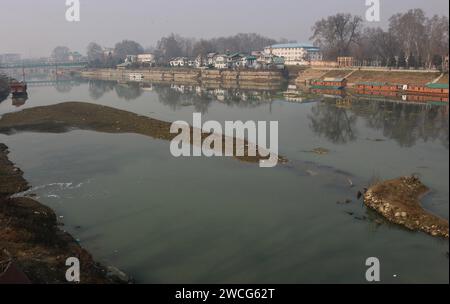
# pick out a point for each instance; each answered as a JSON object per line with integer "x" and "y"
{"x": 218, "y": 220}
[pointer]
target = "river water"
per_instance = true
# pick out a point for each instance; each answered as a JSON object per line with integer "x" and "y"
{"x": 219, "y": 220}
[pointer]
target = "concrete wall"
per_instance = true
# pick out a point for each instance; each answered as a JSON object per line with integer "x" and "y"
{"x": 182, "y": 75}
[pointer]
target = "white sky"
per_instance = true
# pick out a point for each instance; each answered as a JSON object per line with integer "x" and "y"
{"x": 34, "y": 27}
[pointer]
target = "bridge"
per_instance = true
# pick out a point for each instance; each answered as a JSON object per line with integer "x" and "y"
{"x": 49, "y": 82}
{"x": 56, "y": 65}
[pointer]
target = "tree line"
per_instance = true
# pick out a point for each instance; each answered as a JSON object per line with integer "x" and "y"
{"x": 411, "y": 40}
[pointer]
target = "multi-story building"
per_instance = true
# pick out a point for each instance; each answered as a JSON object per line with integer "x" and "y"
{"x": 295, "y": 53}
{"x": 146, "y": 58}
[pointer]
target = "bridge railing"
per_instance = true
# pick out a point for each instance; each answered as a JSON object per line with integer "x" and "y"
{"x": 43, "y": 65}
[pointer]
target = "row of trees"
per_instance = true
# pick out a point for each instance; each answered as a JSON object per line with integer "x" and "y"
{"x": 411, "y": 40}
{"x": 174, "y": 45}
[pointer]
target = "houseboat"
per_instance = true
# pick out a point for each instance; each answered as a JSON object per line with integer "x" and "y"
{"x": 378, "y": 87}
{"x": 337, "y": 93}
{"x": 329, "y": 83}
{"x": 18, "y": 88}
{"x": 430, "y": 89}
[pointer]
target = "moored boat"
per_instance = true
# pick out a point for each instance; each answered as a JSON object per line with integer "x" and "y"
{"x": 429, "y": 89}
{"x": 329, "y": 83}
{"x": 18, "y": 87}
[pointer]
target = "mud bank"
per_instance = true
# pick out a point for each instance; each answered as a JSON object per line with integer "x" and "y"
{"x": 398, "y": 201}
{"x": 33, "y": 249}
{"x": 64, "y": 117}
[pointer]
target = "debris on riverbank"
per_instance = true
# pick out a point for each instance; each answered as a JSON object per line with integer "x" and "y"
{"x": 64, "y": 117}
{"x": 398, "y": 201}
{"x": 33, "y": 248}
{"x": 318, "y": 151}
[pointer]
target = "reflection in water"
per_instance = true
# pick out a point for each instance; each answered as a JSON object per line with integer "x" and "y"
{"x": 332, "y": 117}
{"x": 403, "y": 122}
{"x": 3, "y": 95}
{"x": 132, "y": 178}
{"x": 19, "y": 101}
{"x": 98, "y": 88}
{"x": 335, "y": 123}
{"x": 128, "y": 91}
{"x": 177, "y": 96}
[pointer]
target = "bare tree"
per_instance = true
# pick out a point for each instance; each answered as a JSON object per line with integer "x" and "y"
{"x": 336, "y": 34}
{"x": 94, "y": 53}
{"x": 127, "y": 47}
{"x": 437, "y": 30}
{"x": 409, "y": 30}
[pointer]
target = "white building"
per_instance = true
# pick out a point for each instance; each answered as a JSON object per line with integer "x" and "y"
{"x": 295, "y": 53}
{"x": 246, "y": 62}
{"x": 179, "y": 62}
{"x": 221, "y": 61}
{"x": 146, "y": 58}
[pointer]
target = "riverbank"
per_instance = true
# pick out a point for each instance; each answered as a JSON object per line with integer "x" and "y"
{"x": 34, "y": 248}
{"x": 4, "y": 87}
{"x": 180, "y": 75}
{"x": 398, "y": 201}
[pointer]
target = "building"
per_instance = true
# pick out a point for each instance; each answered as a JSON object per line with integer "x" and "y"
{"x": 108, "y": 52}
{"x": 266, "y": 61}
{"x": 247, "y": 62}
{"x": 210, "y": 59}
{"x": 146, "y": 59}
{"x": 179, "y": 62}
{"x": 295, "y": 53}
{"x": 131, "y": 59}
{"x": 345, "y": 61}
{"x": 75, "y": 57}
{"x": 221, "y": 61}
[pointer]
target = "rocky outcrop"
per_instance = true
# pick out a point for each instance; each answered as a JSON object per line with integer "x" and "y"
{"x": 398, "y": 201}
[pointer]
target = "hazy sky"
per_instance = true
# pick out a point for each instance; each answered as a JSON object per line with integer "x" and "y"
{"x": 35, "y": 27}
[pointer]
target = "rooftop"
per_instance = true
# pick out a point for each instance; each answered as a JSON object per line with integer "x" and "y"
{"x": 437, "y": 85}
{"x": 294, "y": 45}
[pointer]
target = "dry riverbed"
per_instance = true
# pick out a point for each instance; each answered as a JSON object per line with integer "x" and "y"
{"x": 398, "y": 201}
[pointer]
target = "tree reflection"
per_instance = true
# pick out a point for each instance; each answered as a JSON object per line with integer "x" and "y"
{"x": 179, "y": 96}
{"x": 63, "y": 86}
{"x": 405, "y": 123}
{"x": 335, "y": 123}
{"x": 97, "y": 88}
{"x": 128, "y": 91}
